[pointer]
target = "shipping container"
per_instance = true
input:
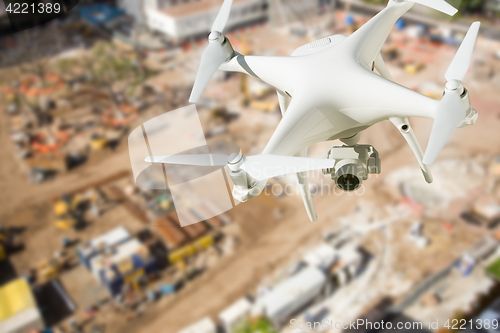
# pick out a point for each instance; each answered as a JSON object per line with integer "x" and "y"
{"x": 293, "y": 294}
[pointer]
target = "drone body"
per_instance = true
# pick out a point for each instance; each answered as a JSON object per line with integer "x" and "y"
{"x": 328, "y": 90}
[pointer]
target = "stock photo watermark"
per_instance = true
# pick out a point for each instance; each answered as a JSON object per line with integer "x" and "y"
{"x": 451, "y": 324}
{"x": 285, "y": 186}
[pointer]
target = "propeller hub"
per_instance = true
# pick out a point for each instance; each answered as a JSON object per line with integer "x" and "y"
{"x": 214, "y": 35}
{"x": 454, "y": 86}
{"x": 235, "y": 161}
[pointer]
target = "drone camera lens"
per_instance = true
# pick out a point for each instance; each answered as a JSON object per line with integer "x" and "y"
{"x": 348, "y": 182}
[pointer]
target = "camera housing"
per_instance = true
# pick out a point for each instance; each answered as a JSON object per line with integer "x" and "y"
{"x": 353, "y": 164}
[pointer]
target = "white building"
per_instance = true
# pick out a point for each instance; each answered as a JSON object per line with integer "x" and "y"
{"x": 322, "y": 257}
{"x": 206, "y": 325}
{"x": 112, "y": 238}
{"x": 235, "y": 315}
{"x": 182, "y": 20}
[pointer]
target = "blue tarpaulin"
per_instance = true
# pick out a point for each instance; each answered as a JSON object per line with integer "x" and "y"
{"x": 100, "y": 14}
{"x": 400, "y": 24}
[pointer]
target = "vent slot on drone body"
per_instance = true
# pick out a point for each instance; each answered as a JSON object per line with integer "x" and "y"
{"x": 319, "y": 43}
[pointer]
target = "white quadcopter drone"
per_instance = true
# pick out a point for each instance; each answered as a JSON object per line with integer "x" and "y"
{"x": 328, "y": 90}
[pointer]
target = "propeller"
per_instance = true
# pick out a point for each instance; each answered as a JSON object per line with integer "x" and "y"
{"x": 215, "y": 54}
{"x": 451, "y": 110}
{"x": 191, "y": 159}
{"x": 439, "y": 5}
{"x": 259, "y": 167}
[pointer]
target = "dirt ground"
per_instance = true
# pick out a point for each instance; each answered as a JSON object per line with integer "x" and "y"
{"x": 270, "y": 229}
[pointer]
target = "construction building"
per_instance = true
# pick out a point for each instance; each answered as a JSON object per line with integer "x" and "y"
{"x": 288, "y": 297}
{"x": 18, "y": 309}
{"x": 117, "y": 260}
{"x": 184, "y": 20}
{"x": 206, "y": 325}
{"x": 235, "y": 315}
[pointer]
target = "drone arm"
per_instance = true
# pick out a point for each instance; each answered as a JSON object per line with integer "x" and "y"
{"x": 282, "y": 142}
{"x": 404, "y": 127}
{"x": 368, "y": 40}
{"x": 388, "y": 99}
{"x": 381, "y": 68}
{"x": 284, "y": 100}
{"x": 275, "y": 71}
{"x": 233, "y": 65}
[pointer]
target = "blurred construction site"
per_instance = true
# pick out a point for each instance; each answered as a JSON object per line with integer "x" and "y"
{"x": 83, "y": 249}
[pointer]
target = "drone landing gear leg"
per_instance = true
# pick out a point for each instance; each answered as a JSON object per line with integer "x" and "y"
{"x": 305, "y": 191}
{"x": 405, "y": 129}
{"x": 306, "y": 196}
{"x": 403, "y": 124}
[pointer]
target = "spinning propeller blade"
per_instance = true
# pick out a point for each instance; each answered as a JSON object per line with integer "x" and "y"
{"x": 451, "y": 110}
{"x": 214, "y": 55}
{"x": 439, "y": 5}
{"x": 260, "y": 167}
{"x": 223, "y": 16}
{"x": 192, "y": 159}
{"x": 460, "y": 64}
{"x": 211, "y": 60}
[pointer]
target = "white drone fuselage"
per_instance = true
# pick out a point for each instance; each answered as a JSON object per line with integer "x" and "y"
{"x": 329, "y": 90}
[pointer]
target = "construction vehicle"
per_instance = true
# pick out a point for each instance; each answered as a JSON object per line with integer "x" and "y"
{"x": 98, "y": 141}
{"x": 414, "y": 68}
{"x": 43, "y": 166}
{"x": 69, "y": 210}
{"x": 221, "y": 114}
{"x": 47, "y": 270}
{"x": 254, "y": 95}
{"x": 64, "y": 218}
{"x": 191, "y": 249}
